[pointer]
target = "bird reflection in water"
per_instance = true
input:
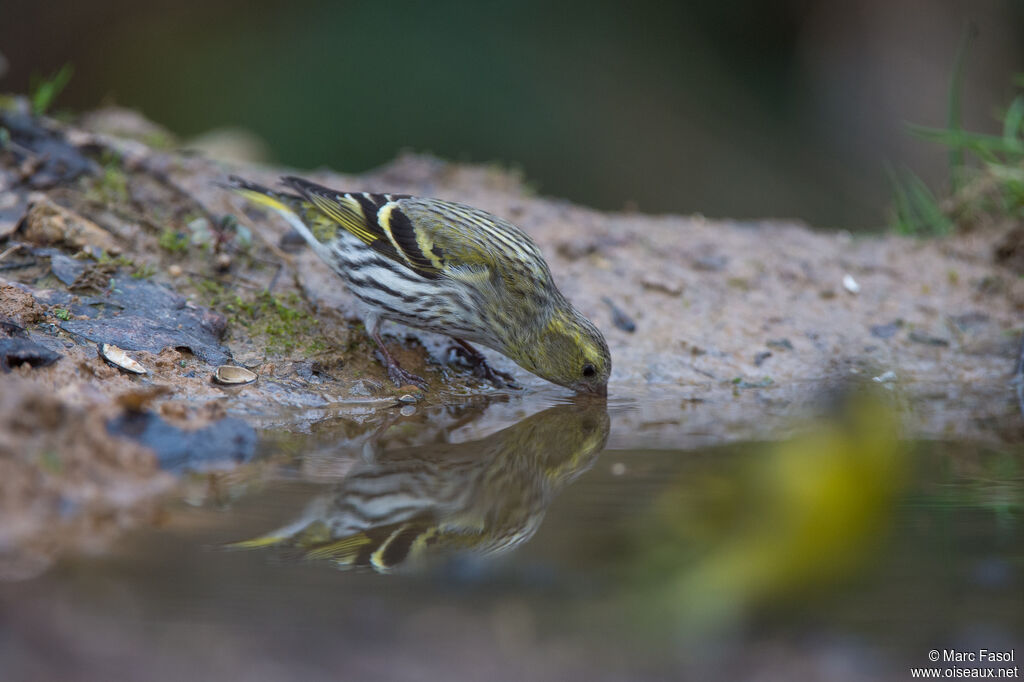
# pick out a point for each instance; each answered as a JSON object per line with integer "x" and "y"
{"x": 403, "y": 507}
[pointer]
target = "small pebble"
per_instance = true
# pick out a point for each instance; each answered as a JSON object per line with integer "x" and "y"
{"x": 222, "y": 262}
{"x": 970, "y": 320}
{"x": 710, "y": 263}
{"x": 575, "y": 250}
{"x": 740, "y": 382}
{"x": 407, "y": 399}
{"x": 885, "y": 377}
{"x": 850, "y": 284}
{"x": 885, "y": 331}
{"x": 920, "y": 337}
{"x": 780, "y": 344}
{"x": 618, "y": 469}
{"x": 619, "y": 318}
{"x": 661, "y": 285}
{"x": 175, "y": 270}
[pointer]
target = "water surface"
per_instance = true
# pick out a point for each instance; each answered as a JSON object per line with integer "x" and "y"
{"x": 539, "y": 540}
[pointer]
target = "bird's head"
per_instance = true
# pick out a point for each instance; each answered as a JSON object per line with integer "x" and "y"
{"x": 569, "y": 351}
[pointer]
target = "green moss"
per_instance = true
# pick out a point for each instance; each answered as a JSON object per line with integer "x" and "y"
{"x": 144, "y": 272}
{"x": 114, "y": 183}
{"x": 121, "y": 261}
{"x": 111, "y": 186}
{"x": 62, "y": 313}
{"x": 211, "y": 290}
{"x": 175, "y": 242}
{"x": 9, "y": 102}
{"x": 158, "y": 139}
{"x": 278, "y": 322}
{"x": 50, "y": 461}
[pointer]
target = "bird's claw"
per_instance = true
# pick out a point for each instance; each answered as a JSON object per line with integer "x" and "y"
{"x": 497, "y": 377}
{"x": 483, "y": 370}
{"x": 402, "y": 377}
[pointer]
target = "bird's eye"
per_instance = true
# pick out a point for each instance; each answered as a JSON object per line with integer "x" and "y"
{"x": 589, "y": 370}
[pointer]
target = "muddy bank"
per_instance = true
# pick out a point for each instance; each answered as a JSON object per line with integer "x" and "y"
{"x": 66, "y": 483}
{"x": 117, "y": 237}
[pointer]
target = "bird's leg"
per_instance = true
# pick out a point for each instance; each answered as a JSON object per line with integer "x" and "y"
{"x": 372, "y": 446}
{"x": 399, "y": 376}
{"x": 481, "y": 368}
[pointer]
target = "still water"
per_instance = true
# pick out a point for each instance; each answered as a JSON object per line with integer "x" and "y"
{"x": 551, "y": 541}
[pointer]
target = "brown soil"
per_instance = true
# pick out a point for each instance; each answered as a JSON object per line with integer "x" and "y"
{"x": 19, "y": 306}
{"x": 65, "y": 482}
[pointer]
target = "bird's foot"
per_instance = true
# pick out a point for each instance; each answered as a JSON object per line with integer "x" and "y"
{"x": 481, "y": 368}
{"x": 399, "y": 376}
{"x": 403, "y": 377}
{"x": 497, "y": 377}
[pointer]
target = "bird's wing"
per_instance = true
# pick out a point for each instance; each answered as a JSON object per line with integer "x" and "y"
{"x": 432, "y": 237}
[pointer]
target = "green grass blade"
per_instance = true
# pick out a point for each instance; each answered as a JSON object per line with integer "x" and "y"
{"x": 45, "y": 91}
{"x": 953, "y": 117}
{"x": 1012, "y": 120}
{"x": 916, "y": 211}
{"x": 988, "y": 147}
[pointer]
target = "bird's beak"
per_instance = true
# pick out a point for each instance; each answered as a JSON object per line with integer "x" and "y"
{"x": 583, "y": 389}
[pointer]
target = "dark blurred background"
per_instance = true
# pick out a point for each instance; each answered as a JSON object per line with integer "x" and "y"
{"x": 739, "y": 109}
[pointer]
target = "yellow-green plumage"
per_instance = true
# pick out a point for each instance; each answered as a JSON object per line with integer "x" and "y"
{"x": 448, "y": 268}
{"x": 486, "y": 496}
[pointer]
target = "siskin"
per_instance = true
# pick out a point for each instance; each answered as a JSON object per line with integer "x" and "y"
{"x": 404, "y": 507}
{"x": 447, "y": 268}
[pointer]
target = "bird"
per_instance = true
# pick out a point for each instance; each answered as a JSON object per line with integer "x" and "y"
{"x": 402, "y": 508}
{"x": 449, "y": 268}
{"x": 779, "y": 524}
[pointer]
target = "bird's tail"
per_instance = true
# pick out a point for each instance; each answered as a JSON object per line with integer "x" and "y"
{"x": 381, "y": 548}
{"x": 293, "y": 208}
{"x": 308, "y": 528}
{"x": 264, "y": 196}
